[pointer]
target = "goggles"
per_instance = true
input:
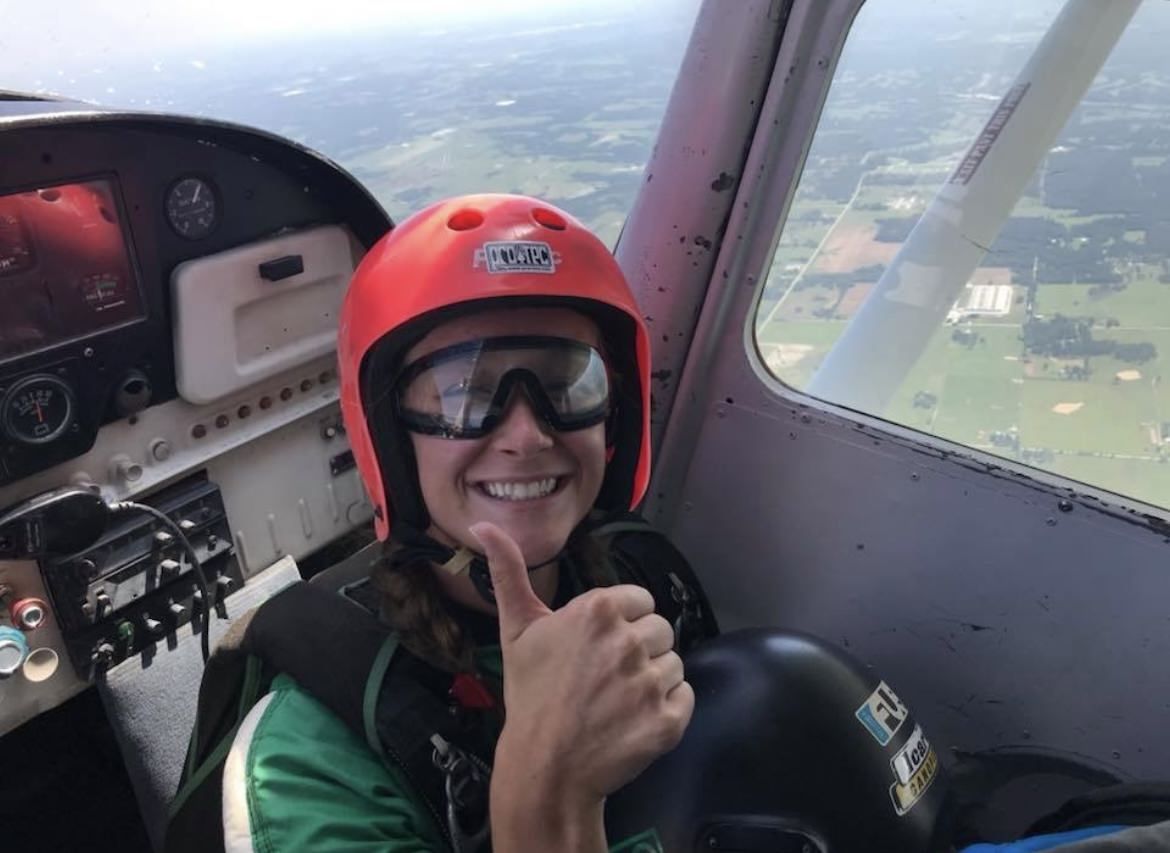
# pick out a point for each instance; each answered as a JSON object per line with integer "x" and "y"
{"x": 462, "y": 391}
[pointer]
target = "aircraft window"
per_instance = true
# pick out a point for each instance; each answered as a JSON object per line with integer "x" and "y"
{"x": 418, "y": 100}
{"x": 964, "y": 258}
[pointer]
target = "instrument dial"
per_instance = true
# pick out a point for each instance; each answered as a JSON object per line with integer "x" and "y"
{"x": 37, "y": 409}
{"x": 192, "y": 208}
{"x": 104, "y": 291}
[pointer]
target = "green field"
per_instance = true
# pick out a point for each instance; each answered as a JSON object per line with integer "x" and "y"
{"x": 975, "y": 383}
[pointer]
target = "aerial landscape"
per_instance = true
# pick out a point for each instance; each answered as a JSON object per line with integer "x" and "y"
{"x": 1056, "y": 352}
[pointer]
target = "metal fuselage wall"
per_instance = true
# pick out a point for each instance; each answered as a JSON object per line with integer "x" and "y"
{"x": 1006, "y": 606}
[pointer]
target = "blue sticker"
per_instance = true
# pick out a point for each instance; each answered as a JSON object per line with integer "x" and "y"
{"x": 882, "y": 714}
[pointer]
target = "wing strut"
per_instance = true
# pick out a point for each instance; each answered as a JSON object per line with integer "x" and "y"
{"x": 892, "y": 328}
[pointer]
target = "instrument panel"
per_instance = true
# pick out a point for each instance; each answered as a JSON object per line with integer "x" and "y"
{"x": 65, "y": 268}
{"x": 169, "y": 291}
{"x": 97, "y": 210}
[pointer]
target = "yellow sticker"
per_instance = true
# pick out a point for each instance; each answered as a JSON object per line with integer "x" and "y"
{"x": 906, "y": 795}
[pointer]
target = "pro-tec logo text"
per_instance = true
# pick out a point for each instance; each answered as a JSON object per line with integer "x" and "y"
{"x": 516, "y": 256}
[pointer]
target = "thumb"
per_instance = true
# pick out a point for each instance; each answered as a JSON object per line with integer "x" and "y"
{"x": 517, "y": 603}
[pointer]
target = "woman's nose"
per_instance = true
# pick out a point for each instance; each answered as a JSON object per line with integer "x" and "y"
{"x": 520, "y": 430}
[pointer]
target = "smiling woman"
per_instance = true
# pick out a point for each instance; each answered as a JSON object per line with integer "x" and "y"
{"x": 501, "y": 476}
{"x": 499, "y": 417}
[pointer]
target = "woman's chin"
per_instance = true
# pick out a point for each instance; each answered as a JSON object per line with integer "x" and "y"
{"x": 534, "y": 557}
{"x": 538, "y": 550}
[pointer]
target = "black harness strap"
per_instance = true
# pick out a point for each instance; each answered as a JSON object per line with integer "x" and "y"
{"x": 341, "y": 653}
{"x": 329, "y": 646}
{"x": 644, "y": 556}
{"x": 324, "y": 641}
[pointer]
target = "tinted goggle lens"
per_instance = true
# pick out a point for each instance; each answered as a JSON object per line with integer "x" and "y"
{"x": 462, "y": 391}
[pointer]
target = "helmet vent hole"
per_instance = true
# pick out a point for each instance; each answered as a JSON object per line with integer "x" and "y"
{"x": 465, "y": 220}
{"x": 548, "y": 219}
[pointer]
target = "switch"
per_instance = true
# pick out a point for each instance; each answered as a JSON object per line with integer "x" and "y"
{"x": 13, "y": 651}
{"x": 224, "y": 584}
{"x": 169, "y": 567}
{"x": 164, "y": 538}
{"x": 161, "y": 450}
{"x": 175, "y": 609}
{"x": 151, "y": 624}
{"x": 104, "y": 606}
{"x": 102, "y": 654}
{"x": 126, "y": 469}
{"x": 187, "y": 525}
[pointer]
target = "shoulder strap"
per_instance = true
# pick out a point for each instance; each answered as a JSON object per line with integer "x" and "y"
{"x": 325, "y": 642}
{"x": 353, "y": 664}
{"x": 346, "y": 659}
{"x": 645, "y": 556}
{"x": 443, "y": 752}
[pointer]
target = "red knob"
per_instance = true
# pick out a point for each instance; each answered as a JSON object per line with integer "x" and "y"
{"x": 28, "y": 614}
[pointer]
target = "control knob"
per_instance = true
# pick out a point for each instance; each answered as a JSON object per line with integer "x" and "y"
{"x": 29, "y": 613}
{"x": 102, "y": 654}
{"x": 13, "y": 651}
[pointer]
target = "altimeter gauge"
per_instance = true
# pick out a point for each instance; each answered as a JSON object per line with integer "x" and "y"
{"x": 192, "y": 208}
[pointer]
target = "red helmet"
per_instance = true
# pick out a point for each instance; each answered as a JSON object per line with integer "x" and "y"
{"x": 448, "y": 260}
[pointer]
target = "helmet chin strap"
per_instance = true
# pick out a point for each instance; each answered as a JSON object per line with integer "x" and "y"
{"x": 417, "y": 544}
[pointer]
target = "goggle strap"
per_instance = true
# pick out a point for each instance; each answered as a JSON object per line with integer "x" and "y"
{"x": 459, "y": 562}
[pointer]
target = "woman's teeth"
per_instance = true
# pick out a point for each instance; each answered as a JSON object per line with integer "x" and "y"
{"x": 520, "y": 491}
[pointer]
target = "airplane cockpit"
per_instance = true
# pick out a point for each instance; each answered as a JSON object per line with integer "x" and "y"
{"x": 872, "y": 422}
{"x": 171, "y": 290}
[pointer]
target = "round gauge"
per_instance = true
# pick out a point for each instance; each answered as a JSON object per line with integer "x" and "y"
{"x": 37, "y": 409}
{"x": 192, "y": 208}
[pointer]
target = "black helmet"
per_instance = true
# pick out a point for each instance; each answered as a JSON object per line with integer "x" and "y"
{"x": 794, "y": 746}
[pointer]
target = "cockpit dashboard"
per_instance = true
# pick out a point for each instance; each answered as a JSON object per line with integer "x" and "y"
{"x": 169, "y": 293}
{"x": 97, "y": 211}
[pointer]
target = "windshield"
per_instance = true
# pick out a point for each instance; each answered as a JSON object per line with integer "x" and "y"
{"x": 418, "y": 100}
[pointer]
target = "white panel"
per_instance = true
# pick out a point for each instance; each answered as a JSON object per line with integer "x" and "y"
{"x": 234, "y": 328}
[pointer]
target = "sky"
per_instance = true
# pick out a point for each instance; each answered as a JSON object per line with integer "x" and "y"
{"x": 72, "y": 32}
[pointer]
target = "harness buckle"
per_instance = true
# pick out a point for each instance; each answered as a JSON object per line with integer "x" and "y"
{"x": 690, "y": 610}
{"x": 465, "y": 780}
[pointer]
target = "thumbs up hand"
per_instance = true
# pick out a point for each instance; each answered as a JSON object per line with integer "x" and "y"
{"x": 593, "y": 691}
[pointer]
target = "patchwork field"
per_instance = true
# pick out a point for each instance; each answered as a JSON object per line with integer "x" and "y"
{"x": 1101, "y": 415}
